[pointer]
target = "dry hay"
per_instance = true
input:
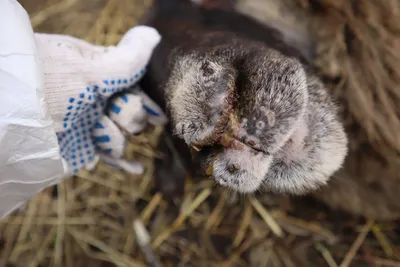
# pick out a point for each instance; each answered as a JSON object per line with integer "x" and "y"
{"x": 89, "y": 218}
{"x": 359, "y": 45}
{"x": 358, "y": 55}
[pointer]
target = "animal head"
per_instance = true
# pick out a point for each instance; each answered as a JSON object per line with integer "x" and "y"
{"x": 243, "y": 111}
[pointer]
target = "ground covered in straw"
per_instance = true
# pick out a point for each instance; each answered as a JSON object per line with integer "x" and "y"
{"x": 89, "y": 219}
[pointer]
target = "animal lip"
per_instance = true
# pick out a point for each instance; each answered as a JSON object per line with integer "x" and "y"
{"x": 225, "y": 136}
{"x": 231, "y": 141}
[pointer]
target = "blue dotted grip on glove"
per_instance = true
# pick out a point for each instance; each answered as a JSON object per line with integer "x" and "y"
{"x": 78, "y": 146}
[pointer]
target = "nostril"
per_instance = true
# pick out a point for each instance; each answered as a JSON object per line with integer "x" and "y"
{"x": 260, "y": 125}
{"x": 251, "y": 143}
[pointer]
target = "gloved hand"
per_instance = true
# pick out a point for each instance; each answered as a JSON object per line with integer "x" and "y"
{"x": 58, "y": 84}
{"x": 79, "y": 78}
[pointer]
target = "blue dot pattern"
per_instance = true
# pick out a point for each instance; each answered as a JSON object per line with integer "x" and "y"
{"x": 77, "y": 145}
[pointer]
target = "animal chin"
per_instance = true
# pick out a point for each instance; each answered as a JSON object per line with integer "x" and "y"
{"x": 238, "y": 166}
{"x": 242, "y": 170}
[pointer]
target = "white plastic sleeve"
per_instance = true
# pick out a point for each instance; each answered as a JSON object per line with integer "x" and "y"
{"x": 29, "y": 159}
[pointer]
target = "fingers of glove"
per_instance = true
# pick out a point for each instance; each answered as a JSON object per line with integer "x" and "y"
{"x": 108, "y": 138}
{"x": 127, "y": 110}
{"x": 148, "y": 36}
{"x": 91, "y": 165}
{"x": 132, "y": 167}
{"x": 125, "y": 65}
{"x": 68, "y": 171}
{"x": 76, "y": 146}
{"x": 155, "y": 114}
{"x": 111, "y": 144}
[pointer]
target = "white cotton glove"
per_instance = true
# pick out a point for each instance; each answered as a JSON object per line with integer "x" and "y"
{"x": 79, "y": 78}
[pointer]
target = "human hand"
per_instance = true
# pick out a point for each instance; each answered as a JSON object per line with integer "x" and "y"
{"x": 80, "y": 78}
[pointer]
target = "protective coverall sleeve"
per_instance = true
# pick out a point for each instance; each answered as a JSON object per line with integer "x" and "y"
{"x": 29, "y": 159}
